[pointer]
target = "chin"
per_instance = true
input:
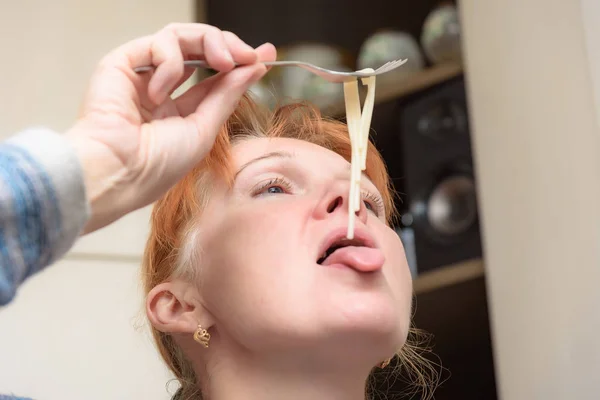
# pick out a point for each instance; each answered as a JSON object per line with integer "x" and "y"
{"x": 370, "y": 318}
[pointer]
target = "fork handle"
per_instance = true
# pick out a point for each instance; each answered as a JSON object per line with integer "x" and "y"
{"x": 203, "y": 64}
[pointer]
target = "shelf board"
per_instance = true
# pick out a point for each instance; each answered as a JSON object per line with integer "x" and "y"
{"x": 400, "y": 88}
{"x": 449, "y": 275}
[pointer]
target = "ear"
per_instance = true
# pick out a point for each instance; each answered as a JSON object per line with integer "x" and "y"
{"x": 175, "y": 307}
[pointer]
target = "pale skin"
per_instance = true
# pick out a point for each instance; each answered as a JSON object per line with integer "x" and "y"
{"x": 283, "y": 326}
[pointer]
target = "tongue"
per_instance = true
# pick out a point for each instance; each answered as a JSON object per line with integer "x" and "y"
{"x": 364, "y": 259}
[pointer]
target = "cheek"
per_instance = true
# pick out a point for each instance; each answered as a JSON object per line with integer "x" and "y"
{"x": 264, "y": 233}
{"x": 246, "y": 259}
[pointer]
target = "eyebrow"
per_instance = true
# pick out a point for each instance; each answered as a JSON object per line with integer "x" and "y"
{"x": 274, "y": 154}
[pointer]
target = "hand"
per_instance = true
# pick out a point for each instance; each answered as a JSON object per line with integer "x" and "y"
{"x": 133, "y": 140}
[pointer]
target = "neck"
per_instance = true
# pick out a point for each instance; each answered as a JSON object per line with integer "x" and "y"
{"x": 283, "y": 378}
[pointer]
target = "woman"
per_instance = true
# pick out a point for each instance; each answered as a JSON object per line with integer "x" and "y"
{"x": 253, "y": 291}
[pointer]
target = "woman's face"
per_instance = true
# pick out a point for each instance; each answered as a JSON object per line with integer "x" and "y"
{"x": 260, "y": 270}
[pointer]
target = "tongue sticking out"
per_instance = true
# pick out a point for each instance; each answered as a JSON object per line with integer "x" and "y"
{"x": 363, "y": 259}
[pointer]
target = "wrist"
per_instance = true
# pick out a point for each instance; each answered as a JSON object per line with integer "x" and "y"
{"x": 103, "y": 175}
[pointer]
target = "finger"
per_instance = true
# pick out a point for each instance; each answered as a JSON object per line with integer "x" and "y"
{"x": 190, "y": 38}
{"x": 188, "y": 72}
{"x": 220, "y": 102}
{"x": 193, "y": 40}
{"x": 141, "y": 87}
{"x": 137, "y": 53}
{"x": 216, "y": 52}
{"x": 241, "y": 52}
{"x": 266, "y": 52}
{"x": 149, "y": 105}
{"x": 166, "y": 54}
{"x": 188, "y": 102}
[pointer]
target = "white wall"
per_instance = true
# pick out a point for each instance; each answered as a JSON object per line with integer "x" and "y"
{"x": 533, "y": 72}
{"x": 77, "y": 332}
{"x": 70, "y": 334}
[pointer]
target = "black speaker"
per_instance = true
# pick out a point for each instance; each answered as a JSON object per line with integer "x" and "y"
{"x": 426, "y": 142}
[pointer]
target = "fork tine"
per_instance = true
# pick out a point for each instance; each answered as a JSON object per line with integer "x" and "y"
{"x": 387, "y": 66}
{"x": 394, "y": 64}
{"x": 383, "y": 66}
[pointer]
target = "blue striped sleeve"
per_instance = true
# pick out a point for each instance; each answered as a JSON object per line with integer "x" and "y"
{"x": 42, "y": 205}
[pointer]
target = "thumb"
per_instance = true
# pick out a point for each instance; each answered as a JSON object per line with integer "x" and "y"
{"x": 222, "y": 99}
{"x": 188, "y": 102}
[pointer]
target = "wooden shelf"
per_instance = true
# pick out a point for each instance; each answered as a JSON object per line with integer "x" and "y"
{"x": 387, "y": 91}
{"x": 447, "y": 276}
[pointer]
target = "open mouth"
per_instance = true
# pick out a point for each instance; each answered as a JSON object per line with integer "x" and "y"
{"x": 339, "y": 244}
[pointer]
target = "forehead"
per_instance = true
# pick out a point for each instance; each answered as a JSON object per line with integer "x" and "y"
{"x": 251, "y": 149}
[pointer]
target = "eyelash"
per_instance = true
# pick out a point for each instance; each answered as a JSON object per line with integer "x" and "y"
{"x": 375, "y": 202}
{"x": 370, "y": 199}
{"x": 283, "y": 183}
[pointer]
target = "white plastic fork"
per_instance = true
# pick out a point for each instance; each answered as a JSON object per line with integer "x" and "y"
{"x": 330, "y": 75}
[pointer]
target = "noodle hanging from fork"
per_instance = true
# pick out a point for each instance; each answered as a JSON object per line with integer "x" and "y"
{"x": 359, "y": 125}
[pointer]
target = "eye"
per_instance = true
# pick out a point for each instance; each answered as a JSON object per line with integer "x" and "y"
{"x": 272, "y": 186}
{"x": 368, "y": 206}
{"x": 373, "y": 203}
{"x": 275, "y": 189}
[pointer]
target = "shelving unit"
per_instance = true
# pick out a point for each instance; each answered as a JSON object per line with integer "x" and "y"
{"x": 448, "y": 275}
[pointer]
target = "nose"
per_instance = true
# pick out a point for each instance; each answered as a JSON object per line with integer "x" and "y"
{"x": 336, "y": 200}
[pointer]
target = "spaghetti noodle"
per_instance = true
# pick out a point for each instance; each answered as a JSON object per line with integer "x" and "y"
{"x": 359, "y": 124}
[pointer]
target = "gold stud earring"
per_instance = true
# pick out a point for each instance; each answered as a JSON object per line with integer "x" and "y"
{"x": 202, "y": 336}
{"x": 385, "y": 363}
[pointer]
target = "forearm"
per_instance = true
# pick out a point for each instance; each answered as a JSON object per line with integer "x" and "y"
{"x": 108, "y": 186}
{"x": 43, "y": 205}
